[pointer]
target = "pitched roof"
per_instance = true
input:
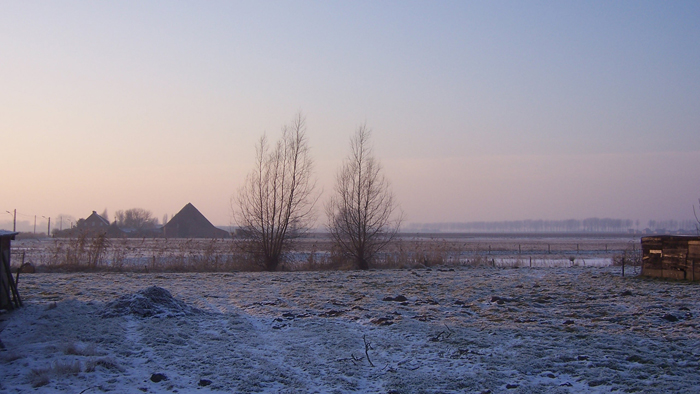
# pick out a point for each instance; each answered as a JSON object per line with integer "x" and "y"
{"x": 190, "y": 223}
{"x": 97, "y": 217}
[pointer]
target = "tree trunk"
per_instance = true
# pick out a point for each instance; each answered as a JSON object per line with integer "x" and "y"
{"x": 362, "y": 263}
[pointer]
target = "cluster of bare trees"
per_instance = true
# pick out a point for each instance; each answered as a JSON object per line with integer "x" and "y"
{"x": 136, "y": 218}
{"x": 277, "y": 203}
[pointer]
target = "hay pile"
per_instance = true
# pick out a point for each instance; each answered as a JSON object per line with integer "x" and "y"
{"x": 151, "y": 302}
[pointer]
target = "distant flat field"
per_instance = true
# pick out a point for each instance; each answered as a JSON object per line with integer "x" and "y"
{"x": 430, "y": 330}
{"x": 406, "y": 251}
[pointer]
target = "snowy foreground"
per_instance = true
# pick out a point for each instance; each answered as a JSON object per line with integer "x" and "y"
{"x": 553, "y": 330}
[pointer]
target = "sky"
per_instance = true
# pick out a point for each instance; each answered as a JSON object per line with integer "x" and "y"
{"x": 480, "y": 111}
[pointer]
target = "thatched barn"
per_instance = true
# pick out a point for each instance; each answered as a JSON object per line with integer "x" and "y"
{"x": 190, "y": 223}
{"x": 671, "y": 256}
{"x": 9, "y": 297}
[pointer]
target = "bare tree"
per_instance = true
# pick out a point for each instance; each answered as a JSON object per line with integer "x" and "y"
{"x": 136, "y": 218}
{"x": 362, "y": 215}
{"x": 105, "y": 214}
{"x": 276, "y": 204}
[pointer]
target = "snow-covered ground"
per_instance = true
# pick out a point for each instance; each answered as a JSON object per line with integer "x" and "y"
{"x": 553, "y": 330}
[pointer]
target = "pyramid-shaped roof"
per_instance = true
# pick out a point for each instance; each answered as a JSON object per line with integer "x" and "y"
{"x": 190, "y": 223}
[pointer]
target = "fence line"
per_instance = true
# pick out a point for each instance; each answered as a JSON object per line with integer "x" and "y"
{"x": 219, "y": 254}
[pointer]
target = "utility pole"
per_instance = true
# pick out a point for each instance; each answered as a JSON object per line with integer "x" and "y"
{"x": 48, "y": 228}
{"x": 34, "y": 224}
{"x": 14, "y": 220}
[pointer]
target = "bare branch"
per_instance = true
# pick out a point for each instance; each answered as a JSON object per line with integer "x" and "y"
{"x": 368, "y": 346}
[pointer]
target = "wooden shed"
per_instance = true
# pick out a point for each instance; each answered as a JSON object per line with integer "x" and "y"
{"x": 671, "y": 256}
{"x": 9, "y": 297}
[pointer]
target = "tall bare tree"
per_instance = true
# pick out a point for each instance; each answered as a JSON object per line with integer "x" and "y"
{"x": 363, "y": 216}
{"x": 276, "y": 204}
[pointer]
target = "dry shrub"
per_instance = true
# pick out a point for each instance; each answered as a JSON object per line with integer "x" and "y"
{"x": 80, "y": 350}
{"x": 200, "y": 255}
{"x": 85, "y": 252}
{"x": 39, "y": 377}
{"x": 629, "y": 257}
{"x": 65, "y": 367}
{"x": 418, "y": 253}
{"x": 119, "y": 252}
{"x": 104, "y": 362}
{"x": 10, "y": 356}
{"x": 479, "y": 261}
{"x": 400, "y": 254}
{"x": 333, "y": 260}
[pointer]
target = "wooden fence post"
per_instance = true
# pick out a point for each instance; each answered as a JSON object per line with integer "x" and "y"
{"x": 623, "y": 266}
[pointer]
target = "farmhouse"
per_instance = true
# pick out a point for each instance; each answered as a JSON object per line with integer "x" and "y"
{"x": 92, "y": 226}
{"x": 95, "y": 221}
{"x": 190, "y": 223}
{"x": 670, "y": 256}
{"x": 9, "y": 297}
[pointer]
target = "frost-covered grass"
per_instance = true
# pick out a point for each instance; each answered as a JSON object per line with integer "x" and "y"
{"x": 560, "y": 330}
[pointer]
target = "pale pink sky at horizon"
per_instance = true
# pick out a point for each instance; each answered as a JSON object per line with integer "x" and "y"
{"x": 480, "y": 111}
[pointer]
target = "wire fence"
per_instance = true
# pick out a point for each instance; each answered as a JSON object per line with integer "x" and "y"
{"x": 160, "y": 254}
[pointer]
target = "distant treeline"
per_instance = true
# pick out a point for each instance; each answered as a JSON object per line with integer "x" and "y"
{"x": 593, "y": 225}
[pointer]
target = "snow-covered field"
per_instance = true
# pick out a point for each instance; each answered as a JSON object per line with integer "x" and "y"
{"x": 553, "y": 330}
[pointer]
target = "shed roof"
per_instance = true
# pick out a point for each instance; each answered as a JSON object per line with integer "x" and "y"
{"x": 5, "y": 233}
{"x": 660, "y": 238}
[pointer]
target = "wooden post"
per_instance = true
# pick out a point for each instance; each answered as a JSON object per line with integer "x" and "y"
{"x": 11, "y": 293}
{"x": 693, "y": 276}
{"x": 623, "y": 267}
